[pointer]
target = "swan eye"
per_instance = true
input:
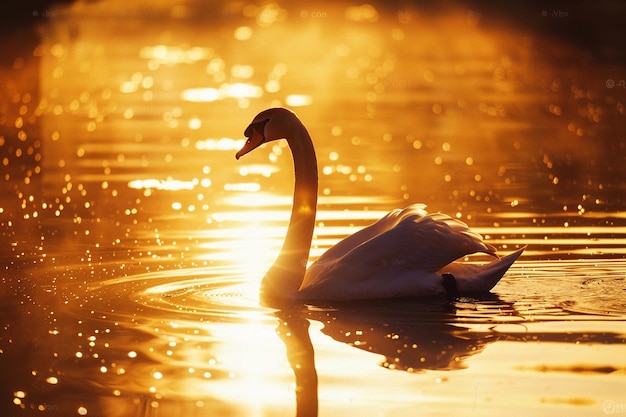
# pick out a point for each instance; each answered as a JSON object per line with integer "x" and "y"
{"x": 259, "y": 127}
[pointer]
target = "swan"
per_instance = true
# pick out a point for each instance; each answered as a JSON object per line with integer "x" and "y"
{"x": 407, "y": 253}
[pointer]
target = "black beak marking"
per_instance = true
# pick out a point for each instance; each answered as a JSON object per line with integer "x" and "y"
{"x": 258, "y": 126}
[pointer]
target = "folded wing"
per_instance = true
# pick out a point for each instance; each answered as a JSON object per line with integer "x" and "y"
{"x": 427, "y": 243}
{"x": 389, "y": 221}
{"x": 403, "y": 240}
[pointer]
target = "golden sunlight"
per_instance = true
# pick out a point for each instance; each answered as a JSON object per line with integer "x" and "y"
{"x": 222, "y": 144}
{"x": 236, "y": 90}
{"x": 169, "y": 184}
{"x": 171, "y": 55}
{"x": 251, "y": 187}
{"x": 136, "y": 242}
{"x": 299, "y": 100}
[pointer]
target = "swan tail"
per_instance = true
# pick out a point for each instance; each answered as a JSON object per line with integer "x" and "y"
{"x": 472, "y": 278}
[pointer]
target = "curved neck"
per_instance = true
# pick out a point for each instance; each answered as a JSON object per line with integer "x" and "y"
{"x": 286, "y": 274}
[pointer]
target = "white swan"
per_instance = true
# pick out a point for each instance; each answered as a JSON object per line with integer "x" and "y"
{"x": 407, "y": 253}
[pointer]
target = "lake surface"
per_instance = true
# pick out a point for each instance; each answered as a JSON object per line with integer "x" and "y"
{"x": 133, "y": 242}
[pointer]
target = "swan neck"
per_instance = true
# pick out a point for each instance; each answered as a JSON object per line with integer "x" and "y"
{"x": 285, "y": 276}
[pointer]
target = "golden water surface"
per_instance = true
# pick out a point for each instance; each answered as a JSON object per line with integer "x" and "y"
{"x": 133, "y": 243}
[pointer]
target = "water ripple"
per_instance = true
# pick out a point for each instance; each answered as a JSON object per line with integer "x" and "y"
{"x": 574, "y": 288}
{"x": 215, "y": 293}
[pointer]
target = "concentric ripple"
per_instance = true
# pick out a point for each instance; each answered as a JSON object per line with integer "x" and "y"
{"x": 581, "y": 287}
{"x": 214, "y": 293}
{"x": 530, "y": 291}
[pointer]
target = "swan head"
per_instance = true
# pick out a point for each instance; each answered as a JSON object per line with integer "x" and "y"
{"x": 269, "y": 125}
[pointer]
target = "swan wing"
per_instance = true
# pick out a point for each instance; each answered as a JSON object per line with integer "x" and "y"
{"x": 407, "y": 260}
{"x": 384, "y": 224}
{"x": 426, "y": 243}
{"x": 418, "y": 243}
{"x": 334, "y": 257}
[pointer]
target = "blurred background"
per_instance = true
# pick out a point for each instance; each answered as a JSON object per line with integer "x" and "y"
{"x": 517, "y": 104}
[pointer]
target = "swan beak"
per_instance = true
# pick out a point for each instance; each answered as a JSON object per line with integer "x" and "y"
{"x": 254, "y": 141}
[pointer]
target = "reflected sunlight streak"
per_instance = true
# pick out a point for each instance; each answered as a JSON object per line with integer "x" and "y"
{"x": 251, "y": 187}
{"x": 299, "y": 100}
{"x": 169, "y": 184}
{"x": 170, "y": 55}
{"x": 257, "y": 361}
{"x": 206, "y": 95}
{"x": 222, "y": 144}
{"x": 231, "y": 371}
{"x": 255, "y": 252}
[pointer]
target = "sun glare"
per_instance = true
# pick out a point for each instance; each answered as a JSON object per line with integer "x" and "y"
{"x": 222, "y": 144}
{"x": 299, "y": 100}
{"x": 169, "y": 184}
{"x": 210, "y": 94}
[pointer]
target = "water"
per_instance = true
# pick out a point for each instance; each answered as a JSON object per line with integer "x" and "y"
{"x": 133, "y": 242}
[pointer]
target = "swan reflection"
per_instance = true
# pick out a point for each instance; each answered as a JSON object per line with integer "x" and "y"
{"x": 412, "y": 335}
{"x": 293, "y": 329}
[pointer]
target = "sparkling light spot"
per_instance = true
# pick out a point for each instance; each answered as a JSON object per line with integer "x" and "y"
{"x": 222, "y": 144}
{"x": 298, "y": 100}
{"x": 272, "y": 86}
{"x": 242, "y": 71}
{"x": 199, "y": 95}
{"x": 243, "y": 33}
{"x": 194, "y": 123}
{"x": 242, "y": 90}
{"x": 363, "y": 13}
{"x": 336, "y": 131}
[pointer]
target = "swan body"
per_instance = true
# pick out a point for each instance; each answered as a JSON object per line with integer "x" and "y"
{"x": 407, "y": 253}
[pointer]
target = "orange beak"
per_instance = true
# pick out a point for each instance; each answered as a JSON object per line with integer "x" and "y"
{"x": 255, "y": 139}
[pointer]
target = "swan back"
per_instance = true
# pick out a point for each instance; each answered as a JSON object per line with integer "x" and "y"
{"x": 402, "y": 254}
